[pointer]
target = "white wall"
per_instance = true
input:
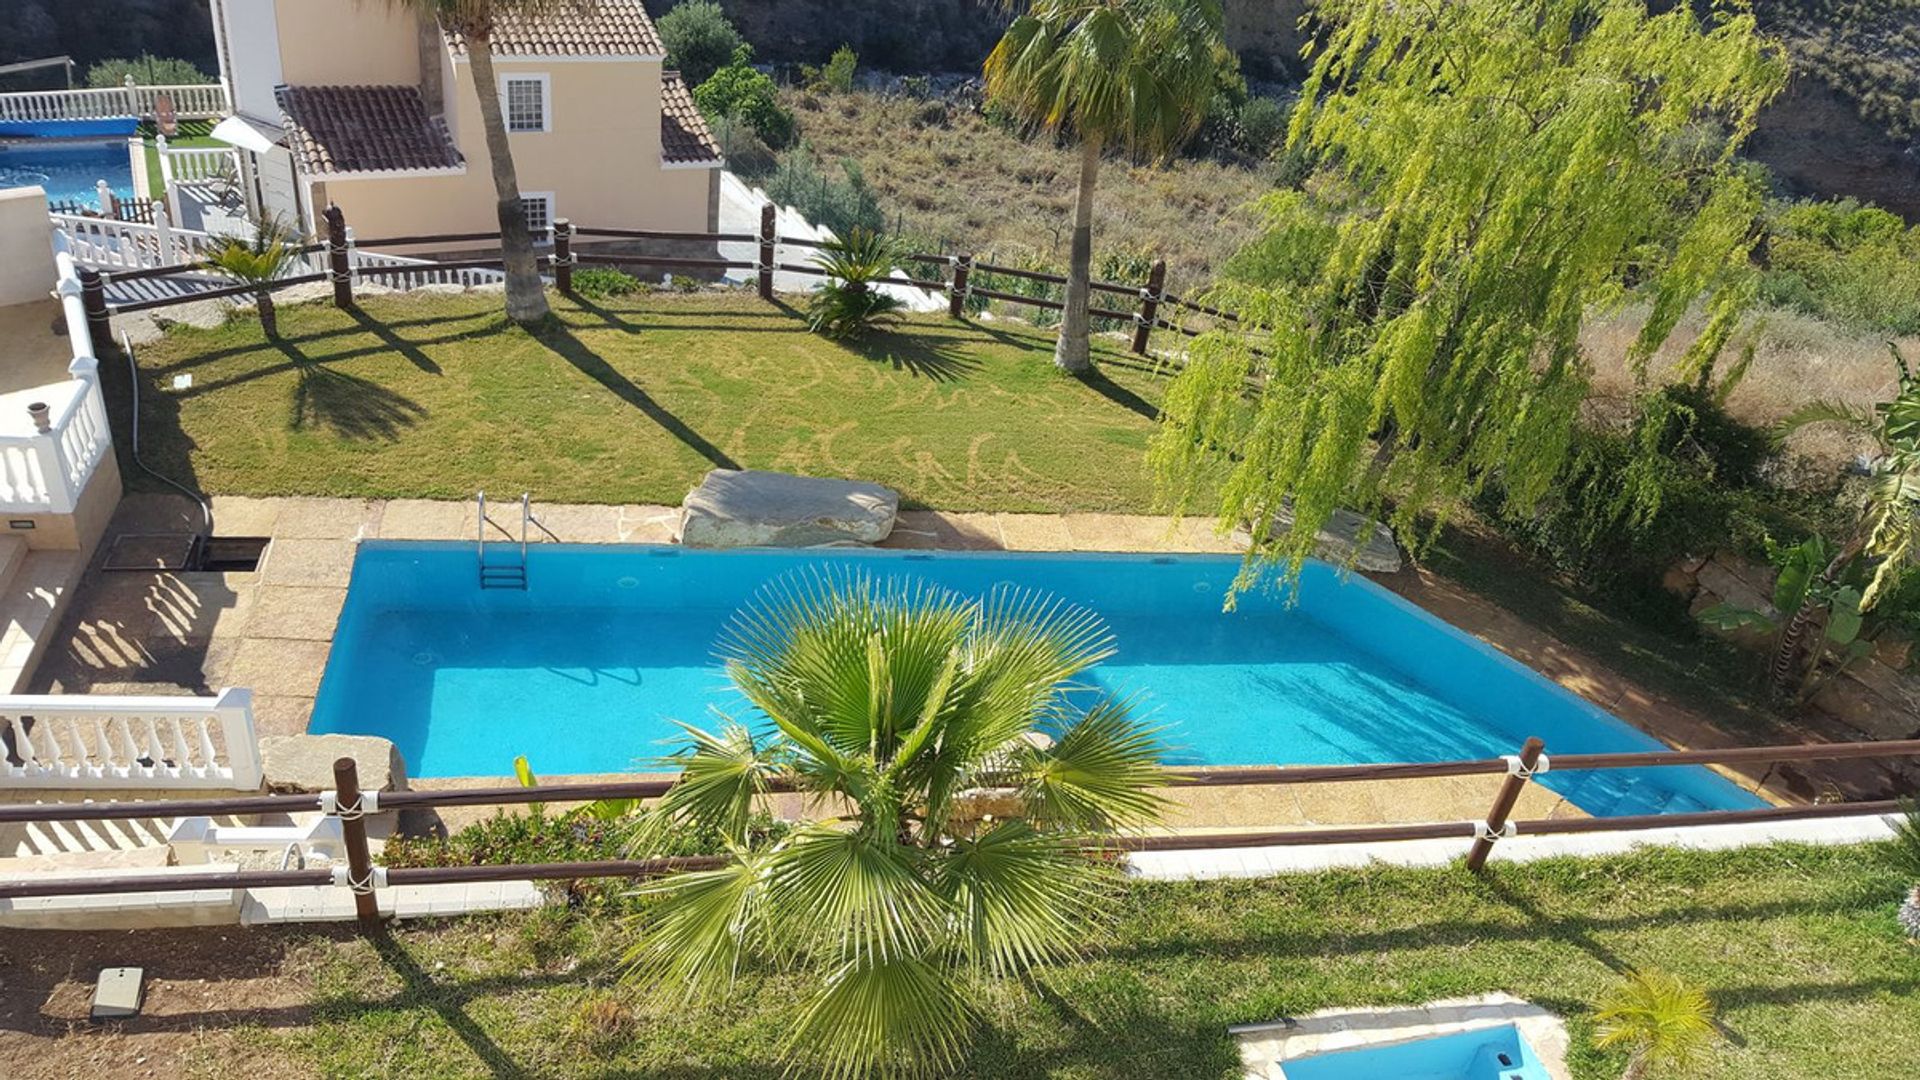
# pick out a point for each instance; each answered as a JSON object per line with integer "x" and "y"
{"x": 252, "y": 39}
{"x": 26, "y": 246}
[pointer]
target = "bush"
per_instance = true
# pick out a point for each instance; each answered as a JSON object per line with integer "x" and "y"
{"x": 699, "y": 39}
{"x": 848, "y": 305}
{"x": 1854, "y": 264}
{"x": 746, "y": 152}
{"x": 597, "y": 282}
{"x": 841, "y": 205}
{"x": 741, "y": 93}
{"x": 147, "y": 70}
{"x": 837, "y": 76}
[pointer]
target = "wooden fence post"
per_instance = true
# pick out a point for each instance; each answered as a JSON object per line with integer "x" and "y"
{"x": 957, "y": 292}
{"x": 1519, "y": 771}
{"x": 339, "y": 265}
{"x": 93, "y": 300}
{"x": 353, "y": 831}
{"x": 1149, "y": 305}
{"x": 766, "y": 251}
{"x": 563, "y": 256}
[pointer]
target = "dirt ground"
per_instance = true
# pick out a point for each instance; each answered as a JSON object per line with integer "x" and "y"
{"x": 210, "y": 994}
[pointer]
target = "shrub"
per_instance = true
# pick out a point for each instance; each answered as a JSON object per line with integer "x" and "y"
{"x": 747, "y": 154}
{"x": 699, "y": 39}
{"x": 595, "y": 282}
{"x": 837, "y": 76}
{"x": 1854, "y": 264}
{"x": 147, "y": 70}
{"x": 841, "y": 205}
{"x": 739, "y": 92}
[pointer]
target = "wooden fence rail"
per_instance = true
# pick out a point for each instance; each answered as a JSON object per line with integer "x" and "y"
{"x": 962, "y": 284}
{"x": 350, "y": 805}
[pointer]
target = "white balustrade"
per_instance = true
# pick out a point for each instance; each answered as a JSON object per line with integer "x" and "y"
{"x": 44, "y": 470}
{"x": 130, "y": 743}
{"x": 419, "y": 271}
{"x": 195, "y": 163}
{"x": 193, "y": 101}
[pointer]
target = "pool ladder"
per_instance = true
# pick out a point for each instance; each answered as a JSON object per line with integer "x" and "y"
{"x": 510, "y": 573}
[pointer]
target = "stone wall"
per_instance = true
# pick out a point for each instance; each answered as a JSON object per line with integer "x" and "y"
{"x": 1878, "y": 697}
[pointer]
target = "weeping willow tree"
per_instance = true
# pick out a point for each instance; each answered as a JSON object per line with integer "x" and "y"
{"x": 1491, "y": 171}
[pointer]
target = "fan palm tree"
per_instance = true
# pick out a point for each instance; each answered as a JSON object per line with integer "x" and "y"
{"x": 1131, "y": 74}
{"x": 1889, "y": 531}
{"x": 474, "y": 21}
{"x": 259, "y": 261}
{"x": 966, "y": 786}
{"x": 1663, "y": 1022}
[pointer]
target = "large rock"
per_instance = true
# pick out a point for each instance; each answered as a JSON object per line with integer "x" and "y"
{"x": 297, "y": 763}
{"x": 1342, "y": 543}
{"x": 751, "y": 508}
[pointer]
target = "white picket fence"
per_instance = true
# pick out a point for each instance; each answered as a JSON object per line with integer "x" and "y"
{"x": 98, "y": 741}
{"x": 194, "y": 101}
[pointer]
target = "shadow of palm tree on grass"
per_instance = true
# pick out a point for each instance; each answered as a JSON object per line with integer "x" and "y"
{"x": 935, "y": 356}
{"x": 557, "y": 336}
{"x": 348, "y": 405}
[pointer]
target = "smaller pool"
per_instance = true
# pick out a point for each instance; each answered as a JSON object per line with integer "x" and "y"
{"x": 68, "y": 169}
{"x": 1497, "y": 1053}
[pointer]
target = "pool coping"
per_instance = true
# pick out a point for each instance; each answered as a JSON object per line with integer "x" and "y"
{"x": 1265, "y": 1053}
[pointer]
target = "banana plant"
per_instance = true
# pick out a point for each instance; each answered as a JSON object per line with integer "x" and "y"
{"x": 1812, "y": 580}
{"x": 599, "y": 809}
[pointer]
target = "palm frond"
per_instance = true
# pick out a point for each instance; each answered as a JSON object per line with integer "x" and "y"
{"x": 1824, "y": 412}
{"x": 1662, "y": 1020}
{"x": 1022, "y": 897}
{"x": 900, "y": 1014}
{"x": 720, "y": 776}
{"x": 853, "y": 893}
{"x": 1102, "y": 773}
{"x": 1905, "y": 848}
{"x": 701, "y": 927}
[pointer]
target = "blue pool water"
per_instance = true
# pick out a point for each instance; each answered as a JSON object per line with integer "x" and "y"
{"x": 587, "y": 670}
{"x": 68, "y": 170}
{"x": 1489, "y": 1054}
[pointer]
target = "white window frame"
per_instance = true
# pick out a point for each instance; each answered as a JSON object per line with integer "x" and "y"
{"x": 546, "y": 101}
{"x": 546, "y": 198}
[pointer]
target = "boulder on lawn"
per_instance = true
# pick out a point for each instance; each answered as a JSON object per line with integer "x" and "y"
{"x": 752, "y": 508}
{"x": 1340, "y": 536}
{"x": 301, "y": 763}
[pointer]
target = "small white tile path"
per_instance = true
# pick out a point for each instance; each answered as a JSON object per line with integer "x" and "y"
{"x": 1266, "y": 1048}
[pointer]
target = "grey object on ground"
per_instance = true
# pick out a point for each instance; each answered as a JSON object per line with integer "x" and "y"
{"x": 754, "y": 508}
{"x": 1339, "y": 538}
{"x": 301, "y": 763}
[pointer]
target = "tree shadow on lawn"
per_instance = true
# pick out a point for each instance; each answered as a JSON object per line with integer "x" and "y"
{"x": 937, "y": 356}
{"x": 558, "y": 337}
{"x": 1093, "y": 378}
{"x": 668, "y": 319}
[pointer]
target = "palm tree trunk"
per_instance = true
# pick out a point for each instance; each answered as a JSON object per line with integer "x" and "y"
{"x": 1073, "y": 353}
{"x": 1786, "y": 653}
{"x": 526, "y": 294}
{"x": 263, "y": 303}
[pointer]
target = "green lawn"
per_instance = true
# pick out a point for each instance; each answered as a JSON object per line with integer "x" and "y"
{"x": 632, "y": 400}
{"x": 1798, "y": 946}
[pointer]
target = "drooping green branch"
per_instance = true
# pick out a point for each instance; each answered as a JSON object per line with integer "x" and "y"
{"x": 1492, "y": 170}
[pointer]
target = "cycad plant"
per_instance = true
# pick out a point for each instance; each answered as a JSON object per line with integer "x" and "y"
{"x": 959, "y": 786}
{"x": 1906, "y": 854}
{"x": 1108, "y": 74}
{"x": 849, "y": 305}
{"x": 259, "y": 261}
{"x": 1663, "y": 1022}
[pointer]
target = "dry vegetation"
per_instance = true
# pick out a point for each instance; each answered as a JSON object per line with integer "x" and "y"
{"x": 947, "y": 175}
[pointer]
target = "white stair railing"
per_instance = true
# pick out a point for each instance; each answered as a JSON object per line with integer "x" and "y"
{"x": 130, "y": 743}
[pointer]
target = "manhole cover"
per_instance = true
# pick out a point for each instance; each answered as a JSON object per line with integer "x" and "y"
{"x": 150, "y": 551}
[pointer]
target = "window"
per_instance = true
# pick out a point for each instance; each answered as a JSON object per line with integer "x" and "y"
{"x": 524, "y": 100}
{"x": 538, "y": 208}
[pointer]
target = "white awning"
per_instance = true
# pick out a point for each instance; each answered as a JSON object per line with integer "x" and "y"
{"x": 247, "y": 134}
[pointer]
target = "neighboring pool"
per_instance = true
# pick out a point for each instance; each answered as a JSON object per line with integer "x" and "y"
{"x": 586, "y": 670}
{"x": 1487, "y": 1054}
{"x": 68, "y": 169}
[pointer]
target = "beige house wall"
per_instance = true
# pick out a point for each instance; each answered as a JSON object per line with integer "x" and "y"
{"x": 347, "y": 43}
{"x": 26, "y": 247}
{"x": 601, "y": 160}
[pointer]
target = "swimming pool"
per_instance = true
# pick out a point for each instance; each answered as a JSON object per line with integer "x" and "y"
{"x": 68, "y": 169}
{"x": 587, "y": 669}
{"x": 1497, "y": 1053}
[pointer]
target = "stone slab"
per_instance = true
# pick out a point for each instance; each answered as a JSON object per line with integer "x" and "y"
{"x": 755, "y": 508}
{"x": 296, "y": 763}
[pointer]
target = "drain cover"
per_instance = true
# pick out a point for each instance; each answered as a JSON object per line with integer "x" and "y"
{"x": 118, "y": 993}
{"x": 150, "y": 551}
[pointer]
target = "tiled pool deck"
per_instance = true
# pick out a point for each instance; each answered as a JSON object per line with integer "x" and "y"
{"x": 271, "y": 629}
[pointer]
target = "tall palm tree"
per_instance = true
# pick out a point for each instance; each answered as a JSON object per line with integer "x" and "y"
{"x": 474, "y": 21}
{"x": 1889, "y": 531}
{"x": 1132, "y": 74}
{"x": 1663, "y": 1022}
{"x": 965, "y": 783}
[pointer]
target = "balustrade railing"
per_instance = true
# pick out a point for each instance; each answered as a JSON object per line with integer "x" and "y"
{"x": 121, "y": 743}
{"x": 191, "y": 101}
{"x": 45, "y": 467}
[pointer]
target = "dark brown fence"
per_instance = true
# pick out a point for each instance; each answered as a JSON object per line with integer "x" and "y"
{"x": 364, "y": 878}
{"x": 961, "y": 284}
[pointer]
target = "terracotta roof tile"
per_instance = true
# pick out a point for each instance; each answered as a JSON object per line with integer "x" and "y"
{"x": 595, "y": 28}
{"x": 342, "y": 129}
{"x": 684, "y": 138}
